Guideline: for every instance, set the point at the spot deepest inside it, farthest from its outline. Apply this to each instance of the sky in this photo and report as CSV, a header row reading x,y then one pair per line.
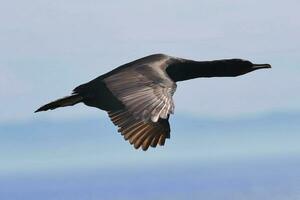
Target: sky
x,y
50,47
232,138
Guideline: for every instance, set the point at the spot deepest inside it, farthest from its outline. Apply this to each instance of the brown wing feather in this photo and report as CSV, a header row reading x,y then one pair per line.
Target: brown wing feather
x,y
138,132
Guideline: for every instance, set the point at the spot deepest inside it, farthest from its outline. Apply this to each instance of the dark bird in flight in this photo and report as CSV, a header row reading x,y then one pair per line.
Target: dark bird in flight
x,y
138,95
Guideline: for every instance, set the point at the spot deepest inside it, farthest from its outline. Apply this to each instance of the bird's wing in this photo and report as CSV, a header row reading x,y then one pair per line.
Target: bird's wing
x,y
146,92
138,132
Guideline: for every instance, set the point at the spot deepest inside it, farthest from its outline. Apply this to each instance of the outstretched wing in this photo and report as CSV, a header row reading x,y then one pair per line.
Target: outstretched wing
x,y
140,133
145,91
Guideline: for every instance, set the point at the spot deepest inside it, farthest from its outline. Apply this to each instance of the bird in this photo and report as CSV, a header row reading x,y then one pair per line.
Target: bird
x,y
138,96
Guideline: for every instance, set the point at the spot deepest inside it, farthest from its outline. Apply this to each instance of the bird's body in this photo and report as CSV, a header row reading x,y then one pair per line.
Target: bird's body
x,y
138,95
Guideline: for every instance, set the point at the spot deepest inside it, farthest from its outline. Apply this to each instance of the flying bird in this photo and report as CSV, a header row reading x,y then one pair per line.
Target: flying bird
x,y
138,96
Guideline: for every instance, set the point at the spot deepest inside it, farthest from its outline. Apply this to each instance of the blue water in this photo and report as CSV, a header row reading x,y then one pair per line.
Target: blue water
x,y
277,179
256,158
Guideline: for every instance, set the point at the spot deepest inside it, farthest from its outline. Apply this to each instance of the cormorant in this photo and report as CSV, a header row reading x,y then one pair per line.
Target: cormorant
x,y
138,95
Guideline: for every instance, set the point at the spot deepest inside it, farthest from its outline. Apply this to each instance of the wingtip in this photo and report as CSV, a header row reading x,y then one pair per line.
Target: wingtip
x,y
141,148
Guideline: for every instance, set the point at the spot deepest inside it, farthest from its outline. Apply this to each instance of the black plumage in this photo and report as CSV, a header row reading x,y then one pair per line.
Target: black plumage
x,y
138,96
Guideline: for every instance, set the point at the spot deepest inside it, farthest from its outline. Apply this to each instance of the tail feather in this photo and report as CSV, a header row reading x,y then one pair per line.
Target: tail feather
x,y
66,101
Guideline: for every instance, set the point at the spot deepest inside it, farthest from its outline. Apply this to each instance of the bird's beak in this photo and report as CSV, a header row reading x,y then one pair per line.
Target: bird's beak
x,y
261,66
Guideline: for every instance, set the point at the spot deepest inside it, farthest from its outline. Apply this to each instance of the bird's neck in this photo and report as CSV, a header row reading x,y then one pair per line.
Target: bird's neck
x,y
188,69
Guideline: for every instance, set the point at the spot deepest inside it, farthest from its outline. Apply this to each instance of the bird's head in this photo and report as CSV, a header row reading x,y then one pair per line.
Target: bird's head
x,y
189,69
238,67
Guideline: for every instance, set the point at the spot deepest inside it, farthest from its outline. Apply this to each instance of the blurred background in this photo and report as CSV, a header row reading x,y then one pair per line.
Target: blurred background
x,y
232,138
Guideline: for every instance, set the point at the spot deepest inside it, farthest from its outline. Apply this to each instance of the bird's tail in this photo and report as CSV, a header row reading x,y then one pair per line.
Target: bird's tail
x,y
66,101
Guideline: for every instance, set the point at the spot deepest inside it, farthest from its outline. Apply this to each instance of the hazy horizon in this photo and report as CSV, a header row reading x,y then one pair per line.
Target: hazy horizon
x,y
252,158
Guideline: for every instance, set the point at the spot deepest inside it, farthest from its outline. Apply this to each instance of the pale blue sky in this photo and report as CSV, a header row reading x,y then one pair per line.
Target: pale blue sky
x,y
49,47
232,138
